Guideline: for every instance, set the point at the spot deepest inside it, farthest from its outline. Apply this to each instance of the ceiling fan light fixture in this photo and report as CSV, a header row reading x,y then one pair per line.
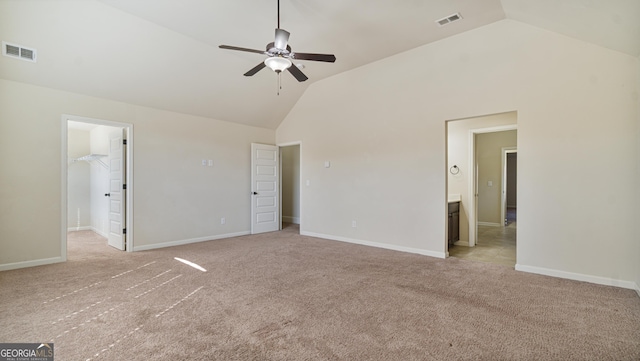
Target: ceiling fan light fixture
x,y
279,55
277,63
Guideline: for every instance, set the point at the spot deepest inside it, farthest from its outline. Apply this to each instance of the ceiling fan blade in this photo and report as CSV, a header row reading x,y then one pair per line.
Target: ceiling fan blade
x,y
255,69
329,58
229,47
282,37
297,73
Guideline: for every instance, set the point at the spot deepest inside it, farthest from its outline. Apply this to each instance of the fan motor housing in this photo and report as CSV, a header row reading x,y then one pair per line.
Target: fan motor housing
x,y
273,51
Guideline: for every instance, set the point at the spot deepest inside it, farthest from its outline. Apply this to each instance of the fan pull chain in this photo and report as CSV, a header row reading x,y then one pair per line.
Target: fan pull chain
x,y
279,83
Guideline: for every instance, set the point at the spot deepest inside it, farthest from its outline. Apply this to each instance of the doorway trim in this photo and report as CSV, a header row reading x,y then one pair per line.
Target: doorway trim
x,y
503,197
128,129
473,171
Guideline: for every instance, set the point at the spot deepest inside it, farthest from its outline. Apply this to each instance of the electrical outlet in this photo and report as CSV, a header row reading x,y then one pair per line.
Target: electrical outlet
x,y
223,220
354,224
210,162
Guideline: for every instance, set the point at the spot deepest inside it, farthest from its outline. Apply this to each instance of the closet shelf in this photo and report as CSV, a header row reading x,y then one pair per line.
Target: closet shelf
x,y
91,158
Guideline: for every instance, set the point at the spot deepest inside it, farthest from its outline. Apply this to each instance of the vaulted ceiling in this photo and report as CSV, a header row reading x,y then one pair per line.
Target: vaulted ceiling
x,y
164,53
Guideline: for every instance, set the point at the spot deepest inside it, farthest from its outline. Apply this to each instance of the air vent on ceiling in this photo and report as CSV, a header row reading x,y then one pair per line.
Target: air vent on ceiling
x,y
449,19
18,52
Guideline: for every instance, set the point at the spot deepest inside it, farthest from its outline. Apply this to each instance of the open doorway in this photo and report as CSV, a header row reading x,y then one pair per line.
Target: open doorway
x,y
290,187
275,187
475,178
509,204
97,186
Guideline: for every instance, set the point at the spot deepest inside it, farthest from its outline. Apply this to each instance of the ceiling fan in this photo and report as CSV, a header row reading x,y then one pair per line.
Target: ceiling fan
x,y
280,56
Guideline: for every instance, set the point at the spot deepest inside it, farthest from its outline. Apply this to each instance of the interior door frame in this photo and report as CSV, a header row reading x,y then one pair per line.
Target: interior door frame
x,y
473,171
128,131
503,201
283,145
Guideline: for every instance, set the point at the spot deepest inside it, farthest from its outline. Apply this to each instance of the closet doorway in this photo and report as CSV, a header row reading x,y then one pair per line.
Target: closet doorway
x,y
97,191
290,187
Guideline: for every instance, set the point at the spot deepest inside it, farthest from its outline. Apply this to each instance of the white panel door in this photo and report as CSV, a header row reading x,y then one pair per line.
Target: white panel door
x,y
116,192
265,193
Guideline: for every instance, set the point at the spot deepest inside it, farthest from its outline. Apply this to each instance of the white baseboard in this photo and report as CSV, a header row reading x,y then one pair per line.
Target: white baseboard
x,y
76,229
103,234
88,228
188,241
288,219
579,277
489,224
33,263
376,244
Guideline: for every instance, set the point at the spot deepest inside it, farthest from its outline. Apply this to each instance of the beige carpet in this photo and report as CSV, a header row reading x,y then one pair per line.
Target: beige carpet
x,y
282,296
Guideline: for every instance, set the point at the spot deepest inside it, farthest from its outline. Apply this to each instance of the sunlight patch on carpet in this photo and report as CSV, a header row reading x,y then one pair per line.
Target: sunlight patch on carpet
x,y
189,263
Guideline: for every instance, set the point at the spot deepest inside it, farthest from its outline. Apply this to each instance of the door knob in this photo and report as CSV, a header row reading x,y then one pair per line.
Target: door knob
x,y
107,194
254,193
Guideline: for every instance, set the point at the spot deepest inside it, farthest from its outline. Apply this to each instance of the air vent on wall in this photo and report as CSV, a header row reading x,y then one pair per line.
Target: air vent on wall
x,y
18,52
449,19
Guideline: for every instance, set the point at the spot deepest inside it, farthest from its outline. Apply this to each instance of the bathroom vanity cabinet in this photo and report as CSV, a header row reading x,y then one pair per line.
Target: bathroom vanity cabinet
x,y
454,222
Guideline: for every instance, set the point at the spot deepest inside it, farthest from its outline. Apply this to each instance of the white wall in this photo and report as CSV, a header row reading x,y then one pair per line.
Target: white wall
x,y
383,128
175,200
78,175
290,183
459,134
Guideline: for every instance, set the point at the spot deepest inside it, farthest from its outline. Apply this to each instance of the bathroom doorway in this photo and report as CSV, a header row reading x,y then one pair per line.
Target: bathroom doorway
x,y
475,149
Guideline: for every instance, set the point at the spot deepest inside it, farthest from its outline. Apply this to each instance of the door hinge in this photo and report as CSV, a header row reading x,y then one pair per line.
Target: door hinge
x,y
124,231
124,186
124,142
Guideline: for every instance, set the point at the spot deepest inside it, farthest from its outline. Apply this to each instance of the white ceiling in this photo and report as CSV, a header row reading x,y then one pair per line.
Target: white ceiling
x,y
164,53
